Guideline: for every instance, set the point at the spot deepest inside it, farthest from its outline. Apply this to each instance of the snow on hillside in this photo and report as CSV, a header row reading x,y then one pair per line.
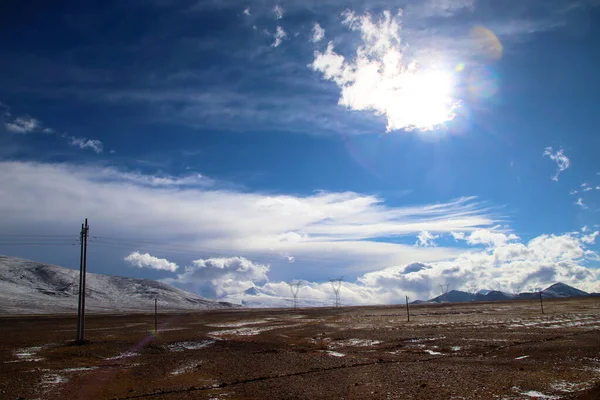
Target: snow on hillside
x,y
33,287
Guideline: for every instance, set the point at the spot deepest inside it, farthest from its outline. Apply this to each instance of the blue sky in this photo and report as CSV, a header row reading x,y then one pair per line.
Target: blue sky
x,y
225,144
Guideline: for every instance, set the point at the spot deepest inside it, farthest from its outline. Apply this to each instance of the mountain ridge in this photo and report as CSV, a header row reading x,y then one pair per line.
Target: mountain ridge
x,y
556,290
31,287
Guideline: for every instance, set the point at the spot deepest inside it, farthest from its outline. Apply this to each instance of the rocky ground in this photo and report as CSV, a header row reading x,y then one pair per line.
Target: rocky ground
x,y
460,351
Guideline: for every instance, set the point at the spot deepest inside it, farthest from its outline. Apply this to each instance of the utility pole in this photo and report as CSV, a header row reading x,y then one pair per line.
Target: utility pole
x,y
82,271
155,316
407,311
541,302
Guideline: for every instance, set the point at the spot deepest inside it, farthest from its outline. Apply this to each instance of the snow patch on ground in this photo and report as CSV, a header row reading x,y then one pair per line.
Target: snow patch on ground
x,y
570,387
238,324
455,348
78,369
335,353
28,354
248,331
356,343
186,368
182,346
127,354
53,379
534,394
521,358
421,340
539,395
433,353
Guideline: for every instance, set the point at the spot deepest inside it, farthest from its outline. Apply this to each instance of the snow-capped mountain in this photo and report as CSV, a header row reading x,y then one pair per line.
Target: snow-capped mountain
x,y
28,287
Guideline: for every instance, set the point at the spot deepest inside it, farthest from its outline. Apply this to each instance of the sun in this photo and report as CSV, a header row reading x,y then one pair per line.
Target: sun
x,y
422,100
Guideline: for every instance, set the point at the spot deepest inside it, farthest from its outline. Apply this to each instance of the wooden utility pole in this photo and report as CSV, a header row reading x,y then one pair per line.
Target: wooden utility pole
x,y
155,316
407,311
541,302
82,271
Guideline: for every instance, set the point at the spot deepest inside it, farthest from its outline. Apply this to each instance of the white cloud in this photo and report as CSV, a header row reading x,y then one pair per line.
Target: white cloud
x,y
218,277
458,235
490,237
541,262
587,189
279,36
139,260
591,238
544,260
573,192
581,204
561,160
343,231
278,11
380,80
23,125
48,130
247,11
426,239
318,33
84,143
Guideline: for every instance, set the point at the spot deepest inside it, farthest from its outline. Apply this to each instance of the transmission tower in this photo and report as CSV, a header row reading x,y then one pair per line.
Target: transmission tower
x,y
295,288
444,289
336,285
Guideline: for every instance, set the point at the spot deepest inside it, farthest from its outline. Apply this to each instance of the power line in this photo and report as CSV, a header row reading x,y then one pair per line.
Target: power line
x,y
203,248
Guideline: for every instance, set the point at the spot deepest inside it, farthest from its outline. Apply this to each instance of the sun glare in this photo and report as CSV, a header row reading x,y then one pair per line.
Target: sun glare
x,y
383,80
421,100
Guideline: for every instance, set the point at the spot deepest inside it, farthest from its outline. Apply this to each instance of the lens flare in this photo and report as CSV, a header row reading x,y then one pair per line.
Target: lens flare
x,y
482,82
486,43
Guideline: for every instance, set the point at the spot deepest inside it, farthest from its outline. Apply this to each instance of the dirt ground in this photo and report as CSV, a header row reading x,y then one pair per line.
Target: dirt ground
x,y
498,350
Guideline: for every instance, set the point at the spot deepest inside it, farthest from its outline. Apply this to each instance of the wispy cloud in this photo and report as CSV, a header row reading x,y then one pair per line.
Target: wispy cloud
x,y
23,124
139,260
561,160
349,227
247,11
278,11
84,143
279,36
581,204
318,33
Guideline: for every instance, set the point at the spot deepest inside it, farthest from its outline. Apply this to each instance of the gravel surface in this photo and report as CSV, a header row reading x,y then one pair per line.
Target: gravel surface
x,y
503,350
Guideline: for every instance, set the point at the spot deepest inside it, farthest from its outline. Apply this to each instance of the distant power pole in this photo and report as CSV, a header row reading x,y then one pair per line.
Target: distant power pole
x,y
82,271
541,302
336,285
407,311
444,289
295,288
156,316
